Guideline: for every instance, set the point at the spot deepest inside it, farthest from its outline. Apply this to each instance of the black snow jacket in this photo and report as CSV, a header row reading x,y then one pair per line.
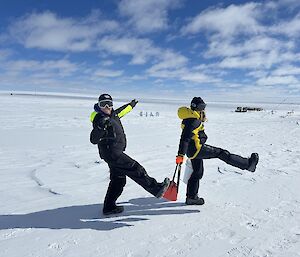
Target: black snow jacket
x,y
193,135
108,131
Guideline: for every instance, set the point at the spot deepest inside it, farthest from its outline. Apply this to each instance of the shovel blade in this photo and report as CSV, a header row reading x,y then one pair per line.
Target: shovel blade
x,y
171,193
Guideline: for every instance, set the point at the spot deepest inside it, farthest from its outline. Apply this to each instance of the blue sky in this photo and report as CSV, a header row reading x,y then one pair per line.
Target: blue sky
x,y
176,48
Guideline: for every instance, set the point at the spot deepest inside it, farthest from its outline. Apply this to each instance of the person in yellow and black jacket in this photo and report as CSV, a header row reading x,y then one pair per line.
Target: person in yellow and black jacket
x,y
193,144
108,134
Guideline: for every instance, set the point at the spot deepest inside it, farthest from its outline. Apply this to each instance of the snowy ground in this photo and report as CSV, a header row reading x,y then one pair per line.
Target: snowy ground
x,y
52,184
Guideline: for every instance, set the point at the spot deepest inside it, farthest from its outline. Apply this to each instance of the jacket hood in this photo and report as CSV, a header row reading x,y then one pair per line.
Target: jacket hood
x,y
97,108
187,113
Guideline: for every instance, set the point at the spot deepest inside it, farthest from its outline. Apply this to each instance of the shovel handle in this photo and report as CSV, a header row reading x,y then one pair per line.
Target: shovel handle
x,y
178,177
173,179
177,168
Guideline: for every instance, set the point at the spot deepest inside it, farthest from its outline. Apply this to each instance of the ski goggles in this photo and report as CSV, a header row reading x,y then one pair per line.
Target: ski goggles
x,y
105,104
198,107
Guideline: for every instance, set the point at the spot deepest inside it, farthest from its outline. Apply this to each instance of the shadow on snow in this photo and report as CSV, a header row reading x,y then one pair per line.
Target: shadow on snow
x,y
90,216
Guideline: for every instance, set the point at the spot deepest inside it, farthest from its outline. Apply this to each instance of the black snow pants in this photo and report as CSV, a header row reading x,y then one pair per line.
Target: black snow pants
x,y
209,152
121,167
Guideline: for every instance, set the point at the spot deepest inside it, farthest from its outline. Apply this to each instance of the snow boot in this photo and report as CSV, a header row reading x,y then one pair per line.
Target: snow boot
x,y
253,160
164,188
194,200
116,210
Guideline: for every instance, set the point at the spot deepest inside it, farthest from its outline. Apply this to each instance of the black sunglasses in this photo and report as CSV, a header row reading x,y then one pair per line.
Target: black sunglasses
x,y
105,103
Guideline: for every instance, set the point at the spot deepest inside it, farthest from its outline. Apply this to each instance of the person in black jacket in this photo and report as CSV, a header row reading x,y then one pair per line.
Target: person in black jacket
x,y
108,134
193,144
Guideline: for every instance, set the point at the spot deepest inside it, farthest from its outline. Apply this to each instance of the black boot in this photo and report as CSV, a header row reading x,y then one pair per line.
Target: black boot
x,y
163,188
115,210
253,160
194,200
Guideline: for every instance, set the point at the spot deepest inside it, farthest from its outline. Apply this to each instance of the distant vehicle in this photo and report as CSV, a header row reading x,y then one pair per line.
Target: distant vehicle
x,y
245,109
241,109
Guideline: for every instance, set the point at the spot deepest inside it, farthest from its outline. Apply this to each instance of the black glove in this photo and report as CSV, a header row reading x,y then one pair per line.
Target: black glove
x,y
104,123
133,103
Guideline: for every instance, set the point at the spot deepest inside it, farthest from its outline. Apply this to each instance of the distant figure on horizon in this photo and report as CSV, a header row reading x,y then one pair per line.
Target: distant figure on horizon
x,y
108,134
193,144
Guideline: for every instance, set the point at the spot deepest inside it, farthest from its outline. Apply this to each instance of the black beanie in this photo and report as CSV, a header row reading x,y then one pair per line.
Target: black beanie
x,y
104,97
197,104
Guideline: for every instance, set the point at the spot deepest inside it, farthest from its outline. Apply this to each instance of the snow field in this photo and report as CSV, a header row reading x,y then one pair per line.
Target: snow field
x,y
53,184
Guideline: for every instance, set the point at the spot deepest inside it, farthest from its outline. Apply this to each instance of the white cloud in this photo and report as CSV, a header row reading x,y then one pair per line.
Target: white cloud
x,y
286,70
198,77
228,21
108,73
143,51
227,48
181,73
259,59
47,75
243,37
138,77
60,68
258,73
254,60
147,15
107,63
48,31
170,60
290,28
140,49
277,80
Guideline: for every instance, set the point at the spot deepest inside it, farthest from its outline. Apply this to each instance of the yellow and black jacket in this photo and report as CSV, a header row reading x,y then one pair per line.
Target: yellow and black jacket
x,y
108,131
193,135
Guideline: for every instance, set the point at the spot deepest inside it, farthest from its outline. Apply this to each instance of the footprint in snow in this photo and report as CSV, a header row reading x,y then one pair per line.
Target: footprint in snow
x,y
240,251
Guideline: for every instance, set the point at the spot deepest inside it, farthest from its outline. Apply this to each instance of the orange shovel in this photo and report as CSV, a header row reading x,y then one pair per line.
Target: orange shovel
x,y
172,191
